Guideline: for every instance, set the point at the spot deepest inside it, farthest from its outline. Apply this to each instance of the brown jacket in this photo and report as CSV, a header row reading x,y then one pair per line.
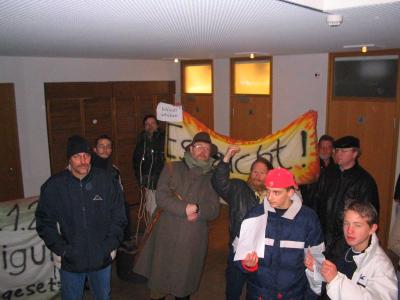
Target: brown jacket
x,y
174,254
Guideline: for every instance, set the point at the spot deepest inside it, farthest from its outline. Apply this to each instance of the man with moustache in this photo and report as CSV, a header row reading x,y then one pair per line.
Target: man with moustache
x,y
80,217
173,256
241,196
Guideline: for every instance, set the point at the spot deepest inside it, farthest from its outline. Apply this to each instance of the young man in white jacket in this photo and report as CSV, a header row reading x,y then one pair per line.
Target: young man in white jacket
x,y
363,271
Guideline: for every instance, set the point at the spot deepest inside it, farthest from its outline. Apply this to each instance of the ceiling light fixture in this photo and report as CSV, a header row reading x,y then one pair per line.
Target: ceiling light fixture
x,y
176,60
361,46
334,20
249,54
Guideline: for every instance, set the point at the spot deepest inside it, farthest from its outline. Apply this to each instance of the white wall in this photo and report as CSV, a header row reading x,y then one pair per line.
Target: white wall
x,y
28,75
299,84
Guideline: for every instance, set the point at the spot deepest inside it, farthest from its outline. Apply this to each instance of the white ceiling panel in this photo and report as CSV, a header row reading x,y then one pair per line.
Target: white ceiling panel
x,y
156,29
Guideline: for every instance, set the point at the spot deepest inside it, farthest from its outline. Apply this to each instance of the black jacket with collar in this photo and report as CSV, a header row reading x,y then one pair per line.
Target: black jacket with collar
x,y
81,220
148,158
237,193
335,189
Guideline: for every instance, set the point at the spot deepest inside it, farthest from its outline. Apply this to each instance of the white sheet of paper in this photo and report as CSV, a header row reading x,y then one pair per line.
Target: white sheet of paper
x,y
252,237
319,258
169,113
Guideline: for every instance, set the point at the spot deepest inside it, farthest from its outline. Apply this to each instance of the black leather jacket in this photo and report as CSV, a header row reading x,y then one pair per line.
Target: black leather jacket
x,y
335,188
237,193
148,158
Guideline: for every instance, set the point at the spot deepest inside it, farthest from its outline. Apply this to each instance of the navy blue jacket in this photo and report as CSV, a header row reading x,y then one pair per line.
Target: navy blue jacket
x,y
90,215
281,273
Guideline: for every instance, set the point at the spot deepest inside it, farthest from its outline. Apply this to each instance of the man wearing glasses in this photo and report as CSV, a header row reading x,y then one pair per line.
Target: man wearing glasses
x,y
173,256
338,186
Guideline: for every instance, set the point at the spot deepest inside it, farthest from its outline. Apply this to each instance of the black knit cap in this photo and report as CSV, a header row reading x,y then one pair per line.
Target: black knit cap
x,y
348,141
77,144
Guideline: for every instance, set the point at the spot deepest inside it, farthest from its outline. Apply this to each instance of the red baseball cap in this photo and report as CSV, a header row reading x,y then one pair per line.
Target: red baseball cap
x,y
280,178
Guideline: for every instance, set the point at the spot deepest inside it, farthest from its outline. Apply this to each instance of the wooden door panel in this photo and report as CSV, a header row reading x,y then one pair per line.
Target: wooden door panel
x,y
97,118
251,117
63,120
200,107
373,123
10,165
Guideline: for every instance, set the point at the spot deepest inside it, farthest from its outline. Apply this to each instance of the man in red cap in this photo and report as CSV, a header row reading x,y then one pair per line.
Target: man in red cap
x,y
276,250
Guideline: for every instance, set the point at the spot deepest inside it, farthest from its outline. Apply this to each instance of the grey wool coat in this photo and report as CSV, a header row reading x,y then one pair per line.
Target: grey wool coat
x,y
173,257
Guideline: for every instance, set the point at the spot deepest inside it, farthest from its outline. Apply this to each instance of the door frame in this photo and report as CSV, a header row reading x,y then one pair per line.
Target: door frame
x,y
385,232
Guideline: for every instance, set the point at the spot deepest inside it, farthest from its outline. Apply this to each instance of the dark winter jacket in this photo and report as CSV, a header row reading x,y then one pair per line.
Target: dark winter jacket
x,y
237,193
106,164
281,272
335,189
90,215
148,158
309,191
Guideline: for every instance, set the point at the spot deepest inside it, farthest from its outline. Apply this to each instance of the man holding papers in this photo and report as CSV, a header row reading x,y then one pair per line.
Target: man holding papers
x,y
274,251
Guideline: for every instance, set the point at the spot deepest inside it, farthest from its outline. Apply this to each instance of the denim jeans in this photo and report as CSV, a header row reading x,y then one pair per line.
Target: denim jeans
x,y
72,284
235,278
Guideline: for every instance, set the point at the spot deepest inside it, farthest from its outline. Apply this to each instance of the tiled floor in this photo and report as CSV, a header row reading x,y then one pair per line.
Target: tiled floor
x,y
213,280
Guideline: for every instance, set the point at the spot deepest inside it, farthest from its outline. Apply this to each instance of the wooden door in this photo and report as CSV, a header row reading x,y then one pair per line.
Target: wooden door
x,y
132,102
197,90
374,122
10,165
200,107
82,108
251,117
251,109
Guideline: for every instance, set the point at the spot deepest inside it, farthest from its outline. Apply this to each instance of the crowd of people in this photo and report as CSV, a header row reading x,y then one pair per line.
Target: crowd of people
x,y
314,241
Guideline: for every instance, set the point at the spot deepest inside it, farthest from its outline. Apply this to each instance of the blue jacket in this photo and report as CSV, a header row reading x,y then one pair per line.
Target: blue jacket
x,y
81,220
281,273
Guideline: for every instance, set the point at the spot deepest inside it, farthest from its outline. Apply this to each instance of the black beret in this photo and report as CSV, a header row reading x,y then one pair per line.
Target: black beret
x,y
347,142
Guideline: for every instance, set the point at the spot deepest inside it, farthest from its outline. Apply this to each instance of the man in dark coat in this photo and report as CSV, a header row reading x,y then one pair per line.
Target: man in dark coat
x,y
174,254
148,159
241,196
348,181
102,158
80,217
326,163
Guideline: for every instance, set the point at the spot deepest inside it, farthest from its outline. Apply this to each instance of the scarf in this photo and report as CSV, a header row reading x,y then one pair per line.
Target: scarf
x,y
204,165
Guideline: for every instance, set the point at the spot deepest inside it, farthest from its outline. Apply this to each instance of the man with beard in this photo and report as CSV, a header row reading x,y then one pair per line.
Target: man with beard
x,y
173,256
80,217
148,159
241,196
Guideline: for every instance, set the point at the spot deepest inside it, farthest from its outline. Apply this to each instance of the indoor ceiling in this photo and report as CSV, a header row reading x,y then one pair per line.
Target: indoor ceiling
x,y
189,29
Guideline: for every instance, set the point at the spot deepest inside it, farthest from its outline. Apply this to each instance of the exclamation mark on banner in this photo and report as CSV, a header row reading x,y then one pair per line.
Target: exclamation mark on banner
x,y
304,144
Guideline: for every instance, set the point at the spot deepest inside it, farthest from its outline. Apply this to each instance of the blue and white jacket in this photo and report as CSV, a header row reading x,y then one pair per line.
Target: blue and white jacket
x,y
281,273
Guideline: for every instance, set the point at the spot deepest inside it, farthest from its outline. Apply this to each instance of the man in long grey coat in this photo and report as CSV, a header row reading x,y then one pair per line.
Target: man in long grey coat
x,y
173,256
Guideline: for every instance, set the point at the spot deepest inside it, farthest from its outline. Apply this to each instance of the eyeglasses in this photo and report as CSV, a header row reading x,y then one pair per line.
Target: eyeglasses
x,y
202,147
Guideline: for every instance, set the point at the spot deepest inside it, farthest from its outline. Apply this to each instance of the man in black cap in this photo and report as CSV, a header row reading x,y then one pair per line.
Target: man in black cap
x,y
348,181
173,256
80,216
